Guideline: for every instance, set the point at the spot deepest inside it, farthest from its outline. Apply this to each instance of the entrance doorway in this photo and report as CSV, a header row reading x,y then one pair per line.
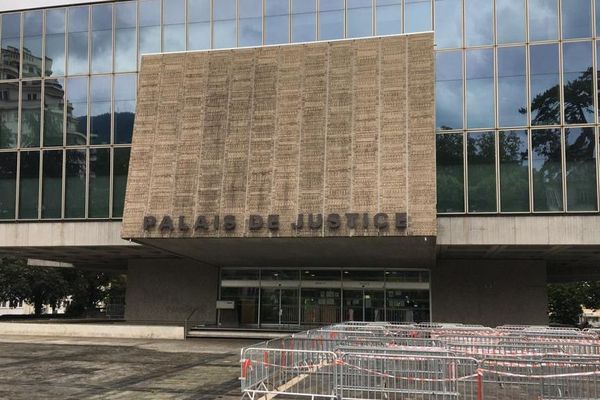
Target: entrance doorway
x,y
279,306
364,305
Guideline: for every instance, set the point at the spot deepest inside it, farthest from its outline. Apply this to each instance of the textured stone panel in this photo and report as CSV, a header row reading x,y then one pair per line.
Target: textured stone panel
x,y
323,128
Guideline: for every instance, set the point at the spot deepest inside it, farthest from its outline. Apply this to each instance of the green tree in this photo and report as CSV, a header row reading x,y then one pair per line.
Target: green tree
x,y
565,301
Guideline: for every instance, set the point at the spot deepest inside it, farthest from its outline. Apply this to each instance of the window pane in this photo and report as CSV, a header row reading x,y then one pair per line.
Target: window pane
x,y
581,169
32,44
120,167
77,110
8,187
125,14
388,17
276,22
55,42
54,102
250,22
479,25
480,88
11,45
450,173
597,18
77,59
9,114
514,171
512,86
578,83
102,38
149,26
543,19
29,184
224,24
448,23
100,109
52,184
417,16
99,188
198,24
174,25
547,170
304,20
449,90
481,171
576,19
124,111
75,184
331,19
510,21
125,50
359,18
31,112
545,93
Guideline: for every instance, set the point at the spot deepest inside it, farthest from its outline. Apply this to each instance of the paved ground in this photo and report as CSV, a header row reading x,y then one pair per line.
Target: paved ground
x,y
60,368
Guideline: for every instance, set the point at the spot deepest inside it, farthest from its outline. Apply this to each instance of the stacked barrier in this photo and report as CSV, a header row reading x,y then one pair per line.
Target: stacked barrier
x,y
359,360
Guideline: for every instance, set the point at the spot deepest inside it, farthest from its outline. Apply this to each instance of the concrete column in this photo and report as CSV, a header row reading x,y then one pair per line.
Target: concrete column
x,y
488,292
170,289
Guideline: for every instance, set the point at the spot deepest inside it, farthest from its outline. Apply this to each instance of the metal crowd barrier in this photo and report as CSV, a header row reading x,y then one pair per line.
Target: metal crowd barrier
x,y
358,360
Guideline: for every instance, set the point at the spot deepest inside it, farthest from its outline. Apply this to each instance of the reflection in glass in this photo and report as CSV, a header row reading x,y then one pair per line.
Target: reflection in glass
x,y
512,86
250,22
480,88
320,275
417,16
481,169
514,171
578,83
99,183
276,21
125,37
304,20
543,19
149,26
32,44
224,26
547,170
198,17
75,184
576,19
449,90
54,103
77,110
388,17
29,184
9,117
102,38
580,157
31,113
120,167
545,89
597,18
52,183
100,109
320,306
448,23
77,58
124,108
510,21
11,45
246,306
479,23
359,18
174,25
55,42
450,173
362,275
331,19
8,185
239,274
407,305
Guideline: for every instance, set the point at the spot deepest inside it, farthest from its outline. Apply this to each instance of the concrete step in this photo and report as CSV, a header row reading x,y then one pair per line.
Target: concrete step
x,y
237,333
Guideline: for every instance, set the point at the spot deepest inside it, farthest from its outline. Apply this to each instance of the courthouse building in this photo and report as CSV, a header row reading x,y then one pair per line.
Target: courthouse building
x,y
266,163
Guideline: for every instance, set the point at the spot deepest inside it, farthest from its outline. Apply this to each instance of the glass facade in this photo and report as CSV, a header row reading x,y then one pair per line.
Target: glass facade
x,y
516,93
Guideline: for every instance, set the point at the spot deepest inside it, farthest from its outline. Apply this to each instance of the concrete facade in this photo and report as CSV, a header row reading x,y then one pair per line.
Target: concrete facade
x,y
171,290
489,292
333,127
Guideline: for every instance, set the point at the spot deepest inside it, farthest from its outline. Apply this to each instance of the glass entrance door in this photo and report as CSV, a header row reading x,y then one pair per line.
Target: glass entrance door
x,y
279,306
364,305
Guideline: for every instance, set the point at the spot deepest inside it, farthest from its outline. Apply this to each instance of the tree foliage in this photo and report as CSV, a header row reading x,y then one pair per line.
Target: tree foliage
x,y
565,301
